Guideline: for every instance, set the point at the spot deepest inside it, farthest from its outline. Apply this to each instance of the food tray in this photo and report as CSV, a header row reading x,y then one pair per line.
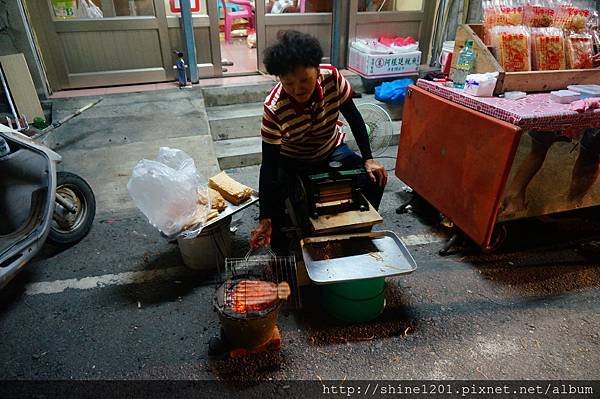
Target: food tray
x,y
333,259
230,210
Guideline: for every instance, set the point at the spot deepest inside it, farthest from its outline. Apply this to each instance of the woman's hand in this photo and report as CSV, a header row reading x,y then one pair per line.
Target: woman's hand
x,y
376,172
596,60
261,235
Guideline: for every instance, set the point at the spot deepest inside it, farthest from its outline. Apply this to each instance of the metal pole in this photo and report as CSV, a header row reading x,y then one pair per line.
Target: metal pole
x,y
39,66
336,27
188,35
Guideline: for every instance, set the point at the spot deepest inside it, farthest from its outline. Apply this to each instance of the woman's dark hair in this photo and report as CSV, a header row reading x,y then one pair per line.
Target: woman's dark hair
x,y
293,49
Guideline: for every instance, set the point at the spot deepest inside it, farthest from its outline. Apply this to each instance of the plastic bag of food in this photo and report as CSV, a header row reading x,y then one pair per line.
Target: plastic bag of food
x,y
509,13
87,9
513,47
579,51
489,20
540,13
548,49
169,191
594,29
574,15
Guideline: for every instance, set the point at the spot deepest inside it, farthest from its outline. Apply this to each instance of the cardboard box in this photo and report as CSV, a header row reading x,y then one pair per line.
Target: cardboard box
x,y
382,65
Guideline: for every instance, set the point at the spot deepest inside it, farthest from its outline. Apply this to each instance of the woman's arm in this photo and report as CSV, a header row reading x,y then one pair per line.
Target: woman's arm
x,y
261,235
374,169
268,178
358,127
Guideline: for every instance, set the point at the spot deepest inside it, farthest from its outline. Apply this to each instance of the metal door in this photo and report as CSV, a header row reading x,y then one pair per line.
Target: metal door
x,y
133,42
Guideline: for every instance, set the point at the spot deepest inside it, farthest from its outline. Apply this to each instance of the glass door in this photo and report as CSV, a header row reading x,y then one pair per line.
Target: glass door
x,y
206,34
376,18
237,24
309,16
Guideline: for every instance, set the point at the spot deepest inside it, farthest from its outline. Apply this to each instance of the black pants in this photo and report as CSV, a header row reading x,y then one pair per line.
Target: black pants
x,y
290,168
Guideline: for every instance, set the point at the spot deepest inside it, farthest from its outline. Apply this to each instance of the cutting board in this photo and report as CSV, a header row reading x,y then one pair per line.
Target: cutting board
x,y
345,221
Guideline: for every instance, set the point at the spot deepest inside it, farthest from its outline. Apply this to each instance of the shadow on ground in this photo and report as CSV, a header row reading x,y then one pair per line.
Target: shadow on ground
x,y
397,319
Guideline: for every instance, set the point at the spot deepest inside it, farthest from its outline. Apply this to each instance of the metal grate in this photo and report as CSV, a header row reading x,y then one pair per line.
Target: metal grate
x,y
267,267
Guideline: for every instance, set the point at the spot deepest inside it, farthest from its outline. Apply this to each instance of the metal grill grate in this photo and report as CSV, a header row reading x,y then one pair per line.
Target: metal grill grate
x,y
267,267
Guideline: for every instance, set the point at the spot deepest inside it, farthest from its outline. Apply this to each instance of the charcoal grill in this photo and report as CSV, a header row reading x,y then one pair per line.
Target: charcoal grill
x,y
246,322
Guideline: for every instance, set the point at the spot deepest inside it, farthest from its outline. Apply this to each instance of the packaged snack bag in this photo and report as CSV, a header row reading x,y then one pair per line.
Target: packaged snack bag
x,y
510,13
594,29
489,20
574,16
513,47
579,50
547,49
539,13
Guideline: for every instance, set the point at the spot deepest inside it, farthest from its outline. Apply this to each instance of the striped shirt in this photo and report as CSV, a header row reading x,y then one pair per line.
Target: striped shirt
x,y
307,131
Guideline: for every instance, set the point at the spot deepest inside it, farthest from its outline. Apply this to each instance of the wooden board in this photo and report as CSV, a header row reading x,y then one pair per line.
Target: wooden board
x,y
345,221
21,86
548,80
485,61
532,81
458,161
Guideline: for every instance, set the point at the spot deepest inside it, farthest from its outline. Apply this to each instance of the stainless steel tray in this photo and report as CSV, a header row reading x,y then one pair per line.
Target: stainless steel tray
x,y
230,210
333,259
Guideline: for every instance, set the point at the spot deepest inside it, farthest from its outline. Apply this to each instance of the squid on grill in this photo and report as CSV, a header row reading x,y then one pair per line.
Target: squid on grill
x,y
248,295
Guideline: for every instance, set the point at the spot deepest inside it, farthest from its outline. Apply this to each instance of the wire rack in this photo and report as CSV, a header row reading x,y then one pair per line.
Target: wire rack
x,y
265,267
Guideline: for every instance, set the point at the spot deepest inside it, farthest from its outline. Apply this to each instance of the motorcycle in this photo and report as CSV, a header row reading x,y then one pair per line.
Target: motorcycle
x,y
37,202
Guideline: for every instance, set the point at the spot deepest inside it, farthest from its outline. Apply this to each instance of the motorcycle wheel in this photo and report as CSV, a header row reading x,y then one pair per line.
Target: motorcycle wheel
x,y
73,227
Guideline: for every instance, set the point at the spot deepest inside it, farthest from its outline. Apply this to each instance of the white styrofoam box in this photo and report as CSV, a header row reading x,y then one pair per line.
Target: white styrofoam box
x,y
382,65
480,88
564,96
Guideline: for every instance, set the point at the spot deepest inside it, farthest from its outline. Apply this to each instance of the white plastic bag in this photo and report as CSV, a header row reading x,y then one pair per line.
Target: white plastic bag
x,y
370,46
409,48
87,9
169,191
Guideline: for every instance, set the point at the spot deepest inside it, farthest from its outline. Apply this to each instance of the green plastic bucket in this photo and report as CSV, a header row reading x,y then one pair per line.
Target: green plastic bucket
x,y
355,301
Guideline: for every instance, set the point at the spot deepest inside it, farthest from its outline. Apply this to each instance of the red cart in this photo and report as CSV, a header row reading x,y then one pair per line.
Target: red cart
x,y
486,161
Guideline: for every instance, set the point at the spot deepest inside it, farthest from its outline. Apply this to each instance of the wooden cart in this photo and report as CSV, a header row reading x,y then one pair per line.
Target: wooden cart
x,y
534,81
464,155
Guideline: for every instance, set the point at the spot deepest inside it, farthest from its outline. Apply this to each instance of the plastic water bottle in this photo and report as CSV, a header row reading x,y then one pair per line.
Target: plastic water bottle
x,y
464,64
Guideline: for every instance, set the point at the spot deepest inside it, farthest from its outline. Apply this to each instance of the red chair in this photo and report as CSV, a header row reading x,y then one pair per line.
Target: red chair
x,y
246,12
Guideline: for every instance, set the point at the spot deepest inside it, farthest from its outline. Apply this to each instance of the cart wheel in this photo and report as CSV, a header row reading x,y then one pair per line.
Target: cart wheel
x,y
68,228
498,238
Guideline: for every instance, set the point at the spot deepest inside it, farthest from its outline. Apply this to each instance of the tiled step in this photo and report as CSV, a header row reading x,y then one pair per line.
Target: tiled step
x,y
246,151
240,94
235,121
243,120
235,153
254,92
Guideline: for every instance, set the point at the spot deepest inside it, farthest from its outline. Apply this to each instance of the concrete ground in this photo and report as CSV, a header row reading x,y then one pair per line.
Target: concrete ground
x,y
104,143
121,304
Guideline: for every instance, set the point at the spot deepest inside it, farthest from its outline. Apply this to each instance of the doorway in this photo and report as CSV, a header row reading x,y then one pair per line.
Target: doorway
x,y
237,36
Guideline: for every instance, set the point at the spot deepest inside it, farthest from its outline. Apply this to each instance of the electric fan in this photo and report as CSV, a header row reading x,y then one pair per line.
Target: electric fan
x,y
379,128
